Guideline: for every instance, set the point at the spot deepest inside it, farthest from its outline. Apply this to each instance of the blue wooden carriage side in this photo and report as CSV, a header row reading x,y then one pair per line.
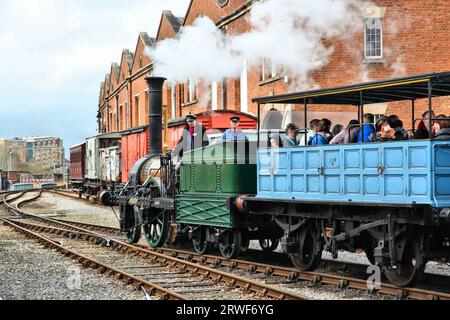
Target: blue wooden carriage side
x,y
401,173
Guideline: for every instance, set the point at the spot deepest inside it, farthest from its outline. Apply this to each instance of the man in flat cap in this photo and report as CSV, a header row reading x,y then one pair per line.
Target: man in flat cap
x,y
234,133
194,137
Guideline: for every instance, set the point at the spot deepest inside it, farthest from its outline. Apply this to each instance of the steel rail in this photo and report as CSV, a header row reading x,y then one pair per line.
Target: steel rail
x,y
291,274
247,285
128,279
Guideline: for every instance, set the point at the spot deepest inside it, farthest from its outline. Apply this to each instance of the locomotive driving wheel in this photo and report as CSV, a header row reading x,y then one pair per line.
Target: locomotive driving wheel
x,y
310,247
156,228
200,241
411,267
133,235
230,243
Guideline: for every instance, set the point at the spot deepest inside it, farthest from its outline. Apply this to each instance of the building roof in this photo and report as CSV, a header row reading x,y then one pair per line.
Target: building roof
x,y
175,22
148,42
129,56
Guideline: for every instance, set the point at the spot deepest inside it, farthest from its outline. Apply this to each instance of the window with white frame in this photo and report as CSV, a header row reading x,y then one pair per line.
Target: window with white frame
x,y
373,38
193,89
269,70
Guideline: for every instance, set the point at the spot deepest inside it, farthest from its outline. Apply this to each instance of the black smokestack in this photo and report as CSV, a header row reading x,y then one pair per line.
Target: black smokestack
x,y
155,86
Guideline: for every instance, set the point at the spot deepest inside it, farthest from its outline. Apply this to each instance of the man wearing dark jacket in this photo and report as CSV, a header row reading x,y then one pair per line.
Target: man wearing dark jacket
x,y
194,137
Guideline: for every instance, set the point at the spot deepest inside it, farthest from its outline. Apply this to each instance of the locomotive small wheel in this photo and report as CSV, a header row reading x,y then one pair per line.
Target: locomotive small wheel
x,y
200,242
269,245
133,235
230,243
157,231
412,265
310,249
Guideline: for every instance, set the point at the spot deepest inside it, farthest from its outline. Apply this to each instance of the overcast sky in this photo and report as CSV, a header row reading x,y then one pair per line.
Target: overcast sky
x,y
54,54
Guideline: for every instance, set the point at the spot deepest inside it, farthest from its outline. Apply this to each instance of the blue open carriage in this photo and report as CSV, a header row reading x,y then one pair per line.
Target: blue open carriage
x,y
391,199
397,173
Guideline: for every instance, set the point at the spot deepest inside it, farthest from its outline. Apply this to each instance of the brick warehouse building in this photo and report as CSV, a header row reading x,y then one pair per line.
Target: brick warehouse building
x,y
407,38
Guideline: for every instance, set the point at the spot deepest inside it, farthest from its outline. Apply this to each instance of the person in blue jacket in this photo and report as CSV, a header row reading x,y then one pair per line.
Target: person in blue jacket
x,y
321,137
368,128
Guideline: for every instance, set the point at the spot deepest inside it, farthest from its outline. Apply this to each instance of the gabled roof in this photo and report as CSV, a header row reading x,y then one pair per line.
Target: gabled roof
x,y
149,42
174,22
102,93
128,55
114,74
126,63
107,84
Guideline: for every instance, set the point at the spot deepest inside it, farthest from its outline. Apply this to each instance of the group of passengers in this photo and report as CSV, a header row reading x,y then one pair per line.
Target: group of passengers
x,y
387,128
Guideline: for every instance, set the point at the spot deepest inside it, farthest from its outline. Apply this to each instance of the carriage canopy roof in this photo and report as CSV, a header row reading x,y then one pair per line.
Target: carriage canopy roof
x,y
410,88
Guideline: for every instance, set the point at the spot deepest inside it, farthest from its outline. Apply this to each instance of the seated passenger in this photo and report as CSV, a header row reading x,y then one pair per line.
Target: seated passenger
x,y
443,132
385,130
336,130
368,129
275,141
321,137
437,123
355,128
344,136
423,131
311,133
291,136
326,128
400,132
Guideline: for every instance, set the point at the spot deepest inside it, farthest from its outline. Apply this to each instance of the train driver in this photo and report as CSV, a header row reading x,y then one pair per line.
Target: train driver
x,y
194,137
234,133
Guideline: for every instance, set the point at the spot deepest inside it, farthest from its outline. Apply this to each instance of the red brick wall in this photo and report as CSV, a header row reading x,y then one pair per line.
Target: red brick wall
x,y
417,31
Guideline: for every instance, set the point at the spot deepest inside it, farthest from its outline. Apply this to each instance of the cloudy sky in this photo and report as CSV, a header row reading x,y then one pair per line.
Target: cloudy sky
x,y
54,54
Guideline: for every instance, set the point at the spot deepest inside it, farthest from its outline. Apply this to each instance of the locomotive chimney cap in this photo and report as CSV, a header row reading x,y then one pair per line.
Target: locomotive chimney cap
x,y
155,79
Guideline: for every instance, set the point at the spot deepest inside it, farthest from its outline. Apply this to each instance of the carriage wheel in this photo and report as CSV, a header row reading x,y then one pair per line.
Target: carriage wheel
x,y
200,241
230,243
411,267
310,247
157,230
133,235
269,245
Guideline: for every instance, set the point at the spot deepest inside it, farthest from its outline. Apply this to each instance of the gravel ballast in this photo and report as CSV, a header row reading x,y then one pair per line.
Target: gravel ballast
x,y
29,272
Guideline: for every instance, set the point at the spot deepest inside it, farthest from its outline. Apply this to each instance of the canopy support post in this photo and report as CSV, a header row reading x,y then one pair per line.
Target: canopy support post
x,y
430,109
413,118
361,114
306,122
259,124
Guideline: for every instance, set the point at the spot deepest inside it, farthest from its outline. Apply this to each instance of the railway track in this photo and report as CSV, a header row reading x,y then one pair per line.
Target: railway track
x,y
287,275
168,277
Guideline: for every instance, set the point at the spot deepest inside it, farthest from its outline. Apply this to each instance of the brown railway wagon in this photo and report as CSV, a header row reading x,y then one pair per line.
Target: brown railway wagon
x,y
134,147
78,162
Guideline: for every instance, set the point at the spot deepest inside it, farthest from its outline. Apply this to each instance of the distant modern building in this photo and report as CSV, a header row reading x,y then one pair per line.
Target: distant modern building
x,y
45,153
12,151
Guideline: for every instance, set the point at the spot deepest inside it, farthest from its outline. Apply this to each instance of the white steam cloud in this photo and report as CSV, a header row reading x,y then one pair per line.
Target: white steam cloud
x,y
290,33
